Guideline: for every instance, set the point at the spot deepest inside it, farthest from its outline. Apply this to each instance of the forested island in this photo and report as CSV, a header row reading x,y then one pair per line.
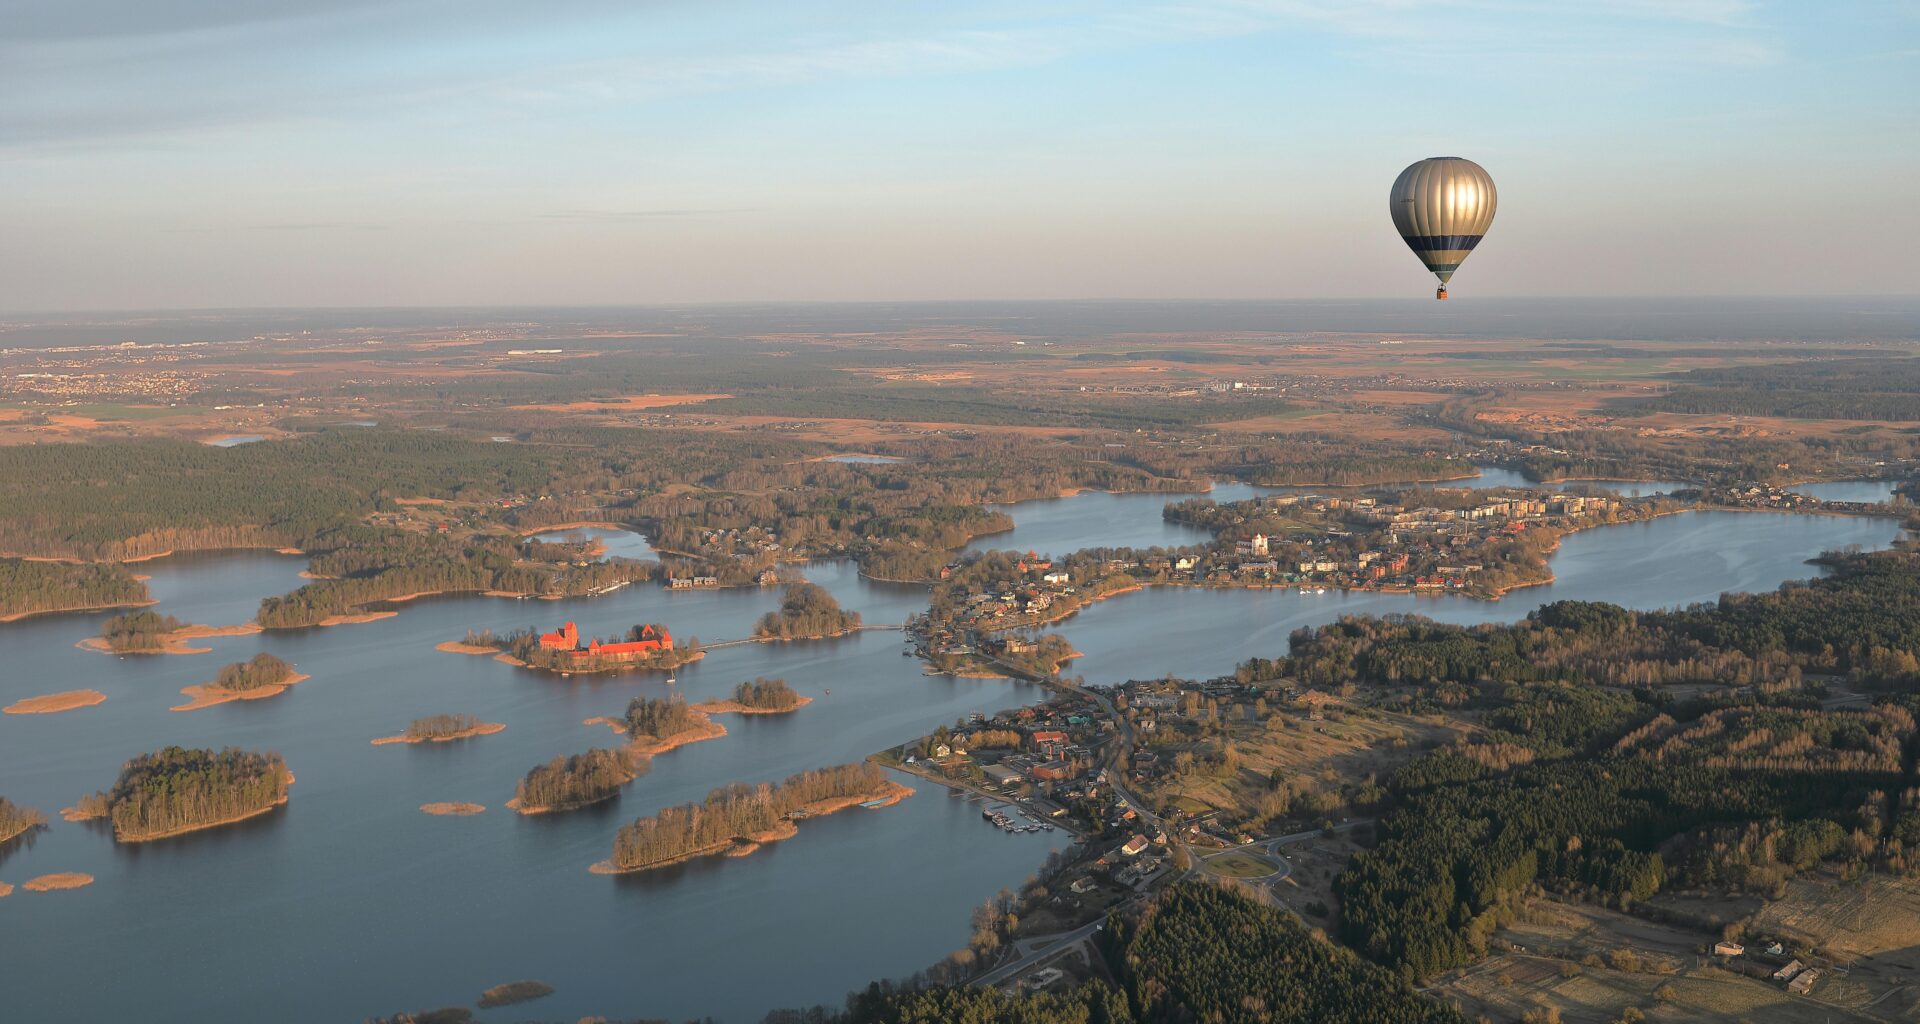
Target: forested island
x,y
262,670
739,818
176,790
263,675
32,587
571,782
141,632
442,729
758,696
807,612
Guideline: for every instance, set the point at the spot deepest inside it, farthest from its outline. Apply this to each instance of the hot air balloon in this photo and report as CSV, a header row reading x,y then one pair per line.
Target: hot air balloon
x,y
1442,206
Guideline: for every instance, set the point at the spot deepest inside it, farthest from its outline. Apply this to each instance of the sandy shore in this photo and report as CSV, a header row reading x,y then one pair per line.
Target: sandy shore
x,y
889,794
62,880
734,707
355,617
461,647
453,809
175,641
16,616
704,729
582,524
206,695
53,703
483,729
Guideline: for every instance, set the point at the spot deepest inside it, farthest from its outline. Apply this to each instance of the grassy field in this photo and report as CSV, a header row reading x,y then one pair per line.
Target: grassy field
x,y
1241,865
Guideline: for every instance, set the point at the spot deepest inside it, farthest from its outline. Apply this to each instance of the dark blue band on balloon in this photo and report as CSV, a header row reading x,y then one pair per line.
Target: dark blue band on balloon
x,y
1441,243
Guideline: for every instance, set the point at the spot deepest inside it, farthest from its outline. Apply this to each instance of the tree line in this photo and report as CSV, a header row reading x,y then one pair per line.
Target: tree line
x,y
766,694
177,789
806,611
736,813
262,669
138,632
576,780
29,587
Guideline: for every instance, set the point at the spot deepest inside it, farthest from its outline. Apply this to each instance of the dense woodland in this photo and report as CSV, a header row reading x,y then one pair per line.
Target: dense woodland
x,y
1843,389
736,813
658,718
1197,952
766,694
138,632
137,498
262,669
177,790
806,611
575,781
29,587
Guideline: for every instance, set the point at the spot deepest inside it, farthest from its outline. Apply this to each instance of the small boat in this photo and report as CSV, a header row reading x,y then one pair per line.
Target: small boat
x,y
671,680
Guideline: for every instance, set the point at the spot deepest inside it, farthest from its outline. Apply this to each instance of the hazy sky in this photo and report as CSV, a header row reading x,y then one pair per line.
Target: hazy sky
x,y
174,153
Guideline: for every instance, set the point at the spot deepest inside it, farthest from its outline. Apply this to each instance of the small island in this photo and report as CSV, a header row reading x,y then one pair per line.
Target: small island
x,y
149,632
442,729
451,808
16,821
759,696
177,790
738,819
655,726
259,677
570,783
141,632
807,612
54,703
647,646
58,881
513,992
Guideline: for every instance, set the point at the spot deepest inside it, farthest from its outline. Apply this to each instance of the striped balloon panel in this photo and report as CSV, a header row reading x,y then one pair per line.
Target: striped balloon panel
x,y
1442,207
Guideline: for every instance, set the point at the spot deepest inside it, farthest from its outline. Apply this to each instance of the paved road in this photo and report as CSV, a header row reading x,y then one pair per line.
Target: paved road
x,y
1030,952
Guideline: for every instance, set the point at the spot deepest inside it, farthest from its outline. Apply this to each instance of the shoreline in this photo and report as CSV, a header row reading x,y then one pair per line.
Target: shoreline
x,y
54,703
740,846
17,616
483,729
206,695
579,524
175,641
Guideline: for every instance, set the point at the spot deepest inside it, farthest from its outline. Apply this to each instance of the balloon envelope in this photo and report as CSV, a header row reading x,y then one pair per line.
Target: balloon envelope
x,y
1442,206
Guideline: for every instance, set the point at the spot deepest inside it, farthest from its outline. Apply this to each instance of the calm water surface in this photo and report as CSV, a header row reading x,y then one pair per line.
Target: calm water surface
x,y
350,902
1850,490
